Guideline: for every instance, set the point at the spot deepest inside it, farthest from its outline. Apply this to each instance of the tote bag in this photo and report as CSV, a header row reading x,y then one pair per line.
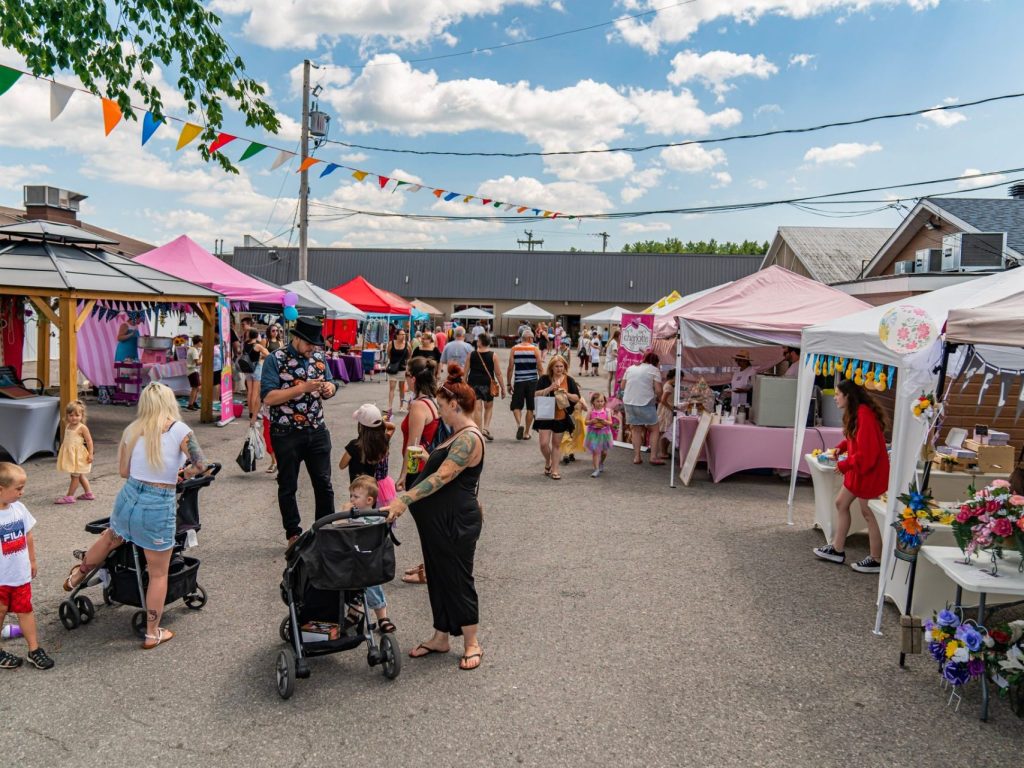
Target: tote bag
x,y
544,408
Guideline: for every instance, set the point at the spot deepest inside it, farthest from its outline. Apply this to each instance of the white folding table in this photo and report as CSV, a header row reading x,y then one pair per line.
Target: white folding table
x,y
29,426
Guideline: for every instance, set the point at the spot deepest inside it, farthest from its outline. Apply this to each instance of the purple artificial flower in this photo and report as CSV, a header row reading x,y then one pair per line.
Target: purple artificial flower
x,y
975,668
938,651
955,673
948,619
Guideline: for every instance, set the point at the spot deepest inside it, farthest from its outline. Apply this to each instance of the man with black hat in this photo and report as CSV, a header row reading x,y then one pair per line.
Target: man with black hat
x,y
295,381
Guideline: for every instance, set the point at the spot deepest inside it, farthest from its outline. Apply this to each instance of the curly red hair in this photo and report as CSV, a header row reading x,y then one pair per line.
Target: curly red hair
x,y
455,388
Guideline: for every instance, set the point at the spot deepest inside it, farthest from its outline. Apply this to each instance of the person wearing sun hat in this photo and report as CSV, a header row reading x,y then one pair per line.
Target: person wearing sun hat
x,y
294,384
743,380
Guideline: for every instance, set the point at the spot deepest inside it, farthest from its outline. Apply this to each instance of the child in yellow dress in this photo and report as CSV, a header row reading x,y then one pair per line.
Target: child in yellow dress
x,y
572,442
76,452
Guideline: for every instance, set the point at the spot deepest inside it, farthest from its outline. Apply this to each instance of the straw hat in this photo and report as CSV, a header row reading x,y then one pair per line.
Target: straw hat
x,y
742,354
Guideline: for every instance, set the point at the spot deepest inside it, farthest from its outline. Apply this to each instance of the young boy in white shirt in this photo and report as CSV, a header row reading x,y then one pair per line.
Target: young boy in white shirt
x,y
18,565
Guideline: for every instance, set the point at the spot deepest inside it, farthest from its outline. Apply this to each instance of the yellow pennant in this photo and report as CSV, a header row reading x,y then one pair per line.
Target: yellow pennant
x,y
189,131
359,175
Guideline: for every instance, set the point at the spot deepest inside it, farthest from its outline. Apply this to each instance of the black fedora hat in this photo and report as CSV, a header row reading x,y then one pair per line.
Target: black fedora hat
x,y
310,330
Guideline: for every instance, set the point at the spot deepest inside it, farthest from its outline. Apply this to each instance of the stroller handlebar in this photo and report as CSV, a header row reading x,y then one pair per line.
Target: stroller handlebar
x,y
347,516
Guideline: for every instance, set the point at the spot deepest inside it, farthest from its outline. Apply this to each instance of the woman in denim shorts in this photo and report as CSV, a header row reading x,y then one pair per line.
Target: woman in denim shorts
x,y
153,449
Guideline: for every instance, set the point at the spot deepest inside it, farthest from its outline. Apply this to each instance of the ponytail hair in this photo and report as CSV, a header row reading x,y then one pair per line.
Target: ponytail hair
x,y
423,371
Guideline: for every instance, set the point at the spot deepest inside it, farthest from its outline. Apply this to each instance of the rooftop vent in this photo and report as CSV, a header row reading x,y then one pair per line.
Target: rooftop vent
x,y
52,204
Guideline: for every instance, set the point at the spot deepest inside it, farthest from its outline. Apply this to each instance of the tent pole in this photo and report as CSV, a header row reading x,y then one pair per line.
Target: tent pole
x,y
675,412
947,349
43,350
209,313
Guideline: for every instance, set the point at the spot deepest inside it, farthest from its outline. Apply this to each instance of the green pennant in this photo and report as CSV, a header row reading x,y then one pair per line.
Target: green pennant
x,y
400,183
252,149
8,77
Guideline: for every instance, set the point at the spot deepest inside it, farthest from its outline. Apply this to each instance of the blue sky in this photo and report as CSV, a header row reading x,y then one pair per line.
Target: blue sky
x,y
700,70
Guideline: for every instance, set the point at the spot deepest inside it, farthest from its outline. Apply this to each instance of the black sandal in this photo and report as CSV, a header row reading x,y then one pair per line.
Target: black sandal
x,y
386,626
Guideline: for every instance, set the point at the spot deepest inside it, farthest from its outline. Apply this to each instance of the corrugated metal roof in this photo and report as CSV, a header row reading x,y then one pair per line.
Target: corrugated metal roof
x,y
125,245
833,254
988,215
613,278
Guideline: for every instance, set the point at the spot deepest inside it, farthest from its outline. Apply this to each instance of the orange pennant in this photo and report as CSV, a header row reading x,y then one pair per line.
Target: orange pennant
x,y
438,193
189,131
111,115
308,163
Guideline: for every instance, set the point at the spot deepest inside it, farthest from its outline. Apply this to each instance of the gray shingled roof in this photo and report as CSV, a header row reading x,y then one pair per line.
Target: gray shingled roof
x,y
612,278
988,215
834,254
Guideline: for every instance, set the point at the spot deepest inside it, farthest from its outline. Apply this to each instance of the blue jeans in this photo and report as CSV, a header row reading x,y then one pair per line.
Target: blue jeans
x,y
375,598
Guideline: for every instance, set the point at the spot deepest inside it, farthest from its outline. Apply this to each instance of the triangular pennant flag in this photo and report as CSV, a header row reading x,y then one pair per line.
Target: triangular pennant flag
x,y
508,206
359,175
331,167
414,188
1005,380
521,209
398,184
485,201
254,148
383,181
220,141
189,131
1020,403
438,193
150,123
59,95
556,216
282,157
8,77
536,211
308,163
450,196
547,214
111,115
467,198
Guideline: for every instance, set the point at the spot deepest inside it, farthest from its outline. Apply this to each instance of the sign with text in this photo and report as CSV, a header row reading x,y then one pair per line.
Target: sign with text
x,y
636,338
227,378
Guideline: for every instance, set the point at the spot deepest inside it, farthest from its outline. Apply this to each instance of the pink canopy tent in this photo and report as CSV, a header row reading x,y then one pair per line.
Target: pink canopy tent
x,y
188,260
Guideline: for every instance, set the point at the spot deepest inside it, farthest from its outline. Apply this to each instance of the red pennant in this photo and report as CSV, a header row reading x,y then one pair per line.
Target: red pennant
x,y
485,201
220,141
383,181
438,193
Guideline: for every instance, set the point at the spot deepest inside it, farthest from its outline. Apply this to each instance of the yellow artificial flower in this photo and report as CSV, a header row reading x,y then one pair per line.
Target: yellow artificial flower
x,y
952,648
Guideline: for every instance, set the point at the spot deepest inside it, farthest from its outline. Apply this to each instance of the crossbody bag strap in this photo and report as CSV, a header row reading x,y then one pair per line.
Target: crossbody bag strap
x,y
486,369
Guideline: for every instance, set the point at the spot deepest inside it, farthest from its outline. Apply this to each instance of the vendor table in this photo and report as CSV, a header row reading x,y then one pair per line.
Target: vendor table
x,y
29,426
952,486
337,369
827,482
353,366
732,448
975,581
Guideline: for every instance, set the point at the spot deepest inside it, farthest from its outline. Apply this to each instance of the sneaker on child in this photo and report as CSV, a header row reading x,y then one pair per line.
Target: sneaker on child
x,y
867,565
830,553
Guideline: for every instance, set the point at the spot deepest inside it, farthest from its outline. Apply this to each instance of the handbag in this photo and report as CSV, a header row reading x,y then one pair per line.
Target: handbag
x,y
495,389
561,400
543,407
253,449
245,365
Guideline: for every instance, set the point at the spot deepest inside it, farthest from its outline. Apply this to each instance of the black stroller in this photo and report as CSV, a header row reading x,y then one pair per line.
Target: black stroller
x,y
327,569
125,567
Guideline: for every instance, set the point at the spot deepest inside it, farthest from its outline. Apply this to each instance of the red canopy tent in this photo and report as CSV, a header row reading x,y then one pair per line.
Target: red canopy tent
x,y
363,294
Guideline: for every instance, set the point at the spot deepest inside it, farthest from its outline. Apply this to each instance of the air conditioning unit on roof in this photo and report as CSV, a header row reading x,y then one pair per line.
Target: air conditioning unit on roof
x,y
928,260
974,252
905,267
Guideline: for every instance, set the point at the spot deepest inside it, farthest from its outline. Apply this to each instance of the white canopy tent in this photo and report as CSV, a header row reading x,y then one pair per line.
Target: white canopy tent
x,y
335,307
610,316
856,337
473,313
528,311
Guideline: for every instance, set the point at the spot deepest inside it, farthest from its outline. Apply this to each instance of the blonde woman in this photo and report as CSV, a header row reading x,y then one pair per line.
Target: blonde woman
x,y
153,449
556,380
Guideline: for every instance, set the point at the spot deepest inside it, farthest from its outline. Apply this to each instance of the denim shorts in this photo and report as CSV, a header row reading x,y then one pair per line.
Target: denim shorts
x,y
145,515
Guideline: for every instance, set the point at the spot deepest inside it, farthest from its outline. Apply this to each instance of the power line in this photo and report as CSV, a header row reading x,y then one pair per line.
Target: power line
x,y
667,145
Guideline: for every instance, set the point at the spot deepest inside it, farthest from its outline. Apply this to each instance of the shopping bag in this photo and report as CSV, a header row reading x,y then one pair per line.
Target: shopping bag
x,y
255,439
246,458
543,408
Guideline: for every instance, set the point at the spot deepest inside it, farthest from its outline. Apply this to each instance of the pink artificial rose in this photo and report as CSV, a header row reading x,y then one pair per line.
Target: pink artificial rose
x,y
1002,527
964,515
1020,523
1000,484
1017,500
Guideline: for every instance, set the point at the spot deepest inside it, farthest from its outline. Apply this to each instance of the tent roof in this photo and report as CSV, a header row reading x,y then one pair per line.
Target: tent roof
x,y
857,335
336,308
361,293
529,311
999,322
186,258
473,313
427,309
768,307
610,315
49,230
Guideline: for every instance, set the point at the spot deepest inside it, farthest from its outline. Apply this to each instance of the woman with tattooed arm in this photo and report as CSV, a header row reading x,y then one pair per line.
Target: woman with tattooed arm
x,y
444,505
153,449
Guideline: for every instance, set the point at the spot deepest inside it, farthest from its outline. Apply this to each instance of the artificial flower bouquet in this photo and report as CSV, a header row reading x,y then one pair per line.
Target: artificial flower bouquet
x,y
959,647
992,519
924,406
1006,662
912,528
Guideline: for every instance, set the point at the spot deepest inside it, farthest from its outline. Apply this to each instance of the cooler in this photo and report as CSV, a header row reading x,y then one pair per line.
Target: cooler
x,y
773,401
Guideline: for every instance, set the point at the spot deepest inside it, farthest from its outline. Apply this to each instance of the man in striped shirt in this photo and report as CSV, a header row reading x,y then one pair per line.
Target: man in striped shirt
x,y
524,368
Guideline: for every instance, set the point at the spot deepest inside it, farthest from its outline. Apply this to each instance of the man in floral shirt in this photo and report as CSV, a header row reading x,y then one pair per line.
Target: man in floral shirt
x,y
295,382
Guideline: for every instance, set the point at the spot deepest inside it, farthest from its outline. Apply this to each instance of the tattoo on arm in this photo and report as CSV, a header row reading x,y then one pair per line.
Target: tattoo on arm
x,y
195,453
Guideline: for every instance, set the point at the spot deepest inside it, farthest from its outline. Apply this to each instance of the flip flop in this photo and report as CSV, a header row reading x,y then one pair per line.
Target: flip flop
x,y
414,569
162,636
420,577
469,656
519,433
427,651
555,476
656,463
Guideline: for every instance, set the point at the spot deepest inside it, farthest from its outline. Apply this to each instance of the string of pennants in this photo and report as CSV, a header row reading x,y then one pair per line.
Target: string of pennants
x,y
61,94
973,364
872,376
111,310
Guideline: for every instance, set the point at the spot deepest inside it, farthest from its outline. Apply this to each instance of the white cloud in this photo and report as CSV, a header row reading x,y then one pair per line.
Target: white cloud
x,y
275,24
765,109
972,178
515,30
945,118
675,24
636,227
640,183
671,113
355,157
15,176
692,158
569,197
844,153
722,179
801,59
758,183
716,68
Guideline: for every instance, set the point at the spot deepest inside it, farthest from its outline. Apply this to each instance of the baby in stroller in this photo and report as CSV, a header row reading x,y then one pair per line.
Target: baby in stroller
x,y
362,496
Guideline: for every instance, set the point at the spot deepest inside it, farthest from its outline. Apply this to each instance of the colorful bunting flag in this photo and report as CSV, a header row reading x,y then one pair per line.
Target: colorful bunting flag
x,y
467,198
359,175
450,196
308,163
331,167
438,193
521,209
189,131
383,181
220,141
414,188
485,201
254,148
111,115
59,96
282,157
8,77
150,123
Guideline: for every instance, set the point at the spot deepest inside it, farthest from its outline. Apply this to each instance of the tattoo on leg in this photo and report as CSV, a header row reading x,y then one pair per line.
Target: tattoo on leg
x,y
152,615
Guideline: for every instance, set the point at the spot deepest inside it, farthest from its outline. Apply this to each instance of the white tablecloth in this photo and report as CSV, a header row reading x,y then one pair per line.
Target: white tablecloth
x,y
827,483
29,426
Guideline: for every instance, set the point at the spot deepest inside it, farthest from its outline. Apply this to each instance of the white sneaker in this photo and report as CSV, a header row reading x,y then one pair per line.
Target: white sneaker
x,y
596,473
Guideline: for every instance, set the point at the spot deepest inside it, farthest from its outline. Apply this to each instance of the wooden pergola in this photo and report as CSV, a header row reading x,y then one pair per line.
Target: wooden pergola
x,y
63,271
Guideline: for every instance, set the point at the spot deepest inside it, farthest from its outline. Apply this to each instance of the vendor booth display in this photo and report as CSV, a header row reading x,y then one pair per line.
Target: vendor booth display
x,y
528,311
473,313
361,293
335,307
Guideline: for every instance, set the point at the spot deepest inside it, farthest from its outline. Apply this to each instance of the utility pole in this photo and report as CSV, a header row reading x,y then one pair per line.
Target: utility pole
x,y
304,178
604,241
529,242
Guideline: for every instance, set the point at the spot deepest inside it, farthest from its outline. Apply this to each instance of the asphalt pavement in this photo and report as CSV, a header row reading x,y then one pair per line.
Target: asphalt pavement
x,y
624,623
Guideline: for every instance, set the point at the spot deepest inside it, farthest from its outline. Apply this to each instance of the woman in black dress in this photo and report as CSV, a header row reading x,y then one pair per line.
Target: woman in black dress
x,y
398,356
482,375
559,384
444,505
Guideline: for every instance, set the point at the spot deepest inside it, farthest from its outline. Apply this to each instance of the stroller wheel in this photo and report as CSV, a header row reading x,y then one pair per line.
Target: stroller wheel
x,y
197,599
286,673
139,624
68,613
86,610
390,656
107,599
285,630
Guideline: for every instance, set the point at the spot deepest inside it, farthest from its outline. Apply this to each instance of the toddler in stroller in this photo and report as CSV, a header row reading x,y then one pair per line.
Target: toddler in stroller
x,y
341,561
123,571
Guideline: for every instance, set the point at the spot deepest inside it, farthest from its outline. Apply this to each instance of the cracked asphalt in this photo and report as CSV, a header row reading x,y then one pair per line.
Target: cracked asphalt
x,y
624,623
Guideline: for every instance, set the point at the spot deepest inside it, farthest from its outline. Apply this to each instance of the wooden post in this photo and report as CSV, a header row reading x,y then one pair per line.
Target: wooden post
x,y
68,352
43,350
206,391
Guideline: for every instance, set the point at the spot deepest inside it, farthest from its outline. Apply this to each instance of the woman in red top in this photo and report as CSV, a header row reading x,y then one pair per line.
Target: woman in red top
x,y
865,473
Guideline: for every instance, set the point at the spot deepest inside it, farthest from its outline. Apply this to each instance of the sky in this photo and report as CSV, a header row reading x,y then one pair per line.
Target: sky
x,y
694,70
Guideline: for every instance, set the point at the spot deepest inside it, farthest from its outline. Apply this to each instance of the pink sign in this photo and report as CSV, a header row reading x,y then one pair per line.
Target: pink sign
x,y
636,338
227,378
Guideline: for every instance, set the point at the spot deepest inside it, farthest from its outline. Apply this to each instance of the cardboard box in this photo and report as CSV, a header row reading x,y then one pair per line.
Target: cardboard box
x,y
953,464
996,459
320,631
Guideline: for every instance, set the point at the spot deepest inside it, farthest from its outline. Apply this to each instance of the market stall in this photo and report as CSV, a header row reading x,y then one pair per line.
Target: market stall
x,y
473,313
610,316
334,307
528,311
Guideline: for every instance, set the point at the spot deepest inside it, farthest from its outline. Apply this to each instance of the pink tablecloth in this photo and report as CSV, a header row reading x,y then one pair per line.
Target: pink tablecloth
x,y
732,448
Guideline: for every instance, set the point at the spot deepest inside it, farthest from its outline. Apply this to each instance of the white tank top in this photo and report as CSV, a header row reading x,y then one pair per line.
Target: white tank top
x,y
170,447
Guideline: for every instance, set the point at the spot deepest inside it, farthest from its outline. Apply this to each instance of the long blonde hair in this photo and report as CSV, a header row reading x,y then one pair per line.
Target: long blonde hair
x,y
157,404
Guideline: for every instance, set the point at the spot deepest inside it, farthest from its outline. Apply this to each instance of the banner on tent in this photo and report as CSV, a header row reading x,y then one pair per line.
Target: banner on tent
x,y
992,371
636,338
867,374
227,379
